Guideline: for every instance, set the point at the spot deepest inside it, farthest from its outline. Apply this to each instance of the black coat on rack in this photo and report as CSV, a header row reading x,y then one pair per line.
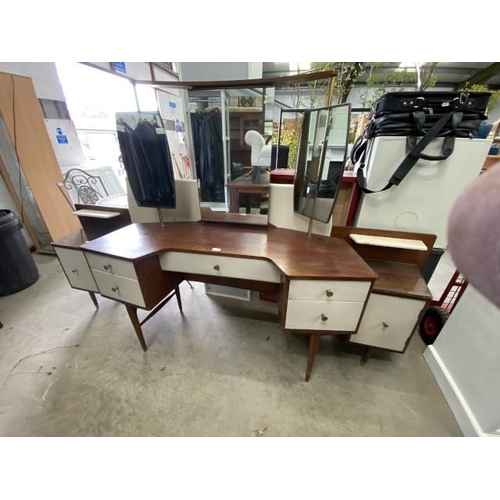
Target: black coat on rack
x,y
147,161
211,165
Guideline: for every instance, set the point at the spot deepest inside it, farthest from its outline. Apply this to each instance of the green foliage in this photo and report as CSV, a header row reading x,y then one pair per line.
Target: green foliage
x,y
348,73
396,80
290,136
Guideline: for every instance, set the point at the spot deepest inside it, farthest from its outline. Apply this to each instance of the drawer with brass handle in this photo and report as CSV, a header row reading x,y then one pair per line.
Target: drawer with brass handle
x,y
219,265
320,315
328,290
119,288
116,267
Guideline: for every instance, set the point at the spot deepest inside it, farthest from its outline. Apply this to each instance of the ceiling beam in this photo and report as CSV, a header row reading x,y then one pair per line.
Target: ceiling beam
x,y
235,84
482,76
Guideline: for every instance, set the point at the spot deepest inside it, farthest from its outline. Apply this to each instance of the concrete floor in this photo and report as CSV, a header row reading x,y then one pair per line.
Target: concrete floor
x,y
219,370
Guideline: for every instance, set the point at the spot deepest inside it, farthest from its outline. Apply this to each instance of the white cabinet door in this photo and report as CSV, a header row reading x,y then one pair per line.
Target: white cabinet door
x,y
388,322
76,268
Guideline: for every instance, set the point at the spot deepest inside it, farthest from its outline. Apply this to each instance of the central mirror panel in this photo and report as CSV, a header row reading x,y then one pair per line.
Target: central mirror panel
x,y
321,159
232,141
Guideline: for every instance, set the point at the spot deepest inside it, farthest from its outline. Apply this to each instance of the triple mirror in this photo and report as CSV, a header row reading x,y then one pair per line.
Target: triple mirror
x,y
224,158
321,157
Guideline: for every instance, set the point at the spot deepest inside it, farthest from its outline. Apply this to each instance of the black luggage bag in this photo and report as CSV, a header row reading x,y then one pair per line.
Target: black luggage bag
x,y
425,114
414,113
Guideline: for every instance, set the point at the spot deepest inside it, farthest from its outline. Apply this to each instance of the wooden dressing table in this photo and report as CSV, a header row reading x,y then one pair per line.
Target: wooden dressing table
x,y
322,283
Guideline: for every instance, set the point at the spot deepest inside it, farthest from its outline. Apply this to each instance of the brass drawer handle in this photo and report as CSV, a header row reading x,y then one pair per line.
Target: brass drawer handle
x,y
107,267
324,317
115,289
329,293
217,267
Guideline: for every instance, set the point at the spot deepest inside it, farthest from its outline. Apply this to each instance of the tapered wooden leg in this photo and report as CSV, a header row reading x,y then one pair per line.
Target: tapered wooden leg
x,y
178,297
366,355
94,299
132,314
313,349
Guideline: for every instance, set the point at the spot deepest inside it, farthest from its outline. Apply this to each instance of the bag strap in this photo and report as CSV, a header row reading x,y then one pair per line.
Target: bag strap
x,y
411,158
447,148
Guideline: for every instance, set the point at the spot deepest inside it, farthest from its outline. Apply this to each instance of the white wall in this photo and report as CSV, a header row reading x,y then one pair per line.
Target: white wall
x,y
465,360
44,76
207,71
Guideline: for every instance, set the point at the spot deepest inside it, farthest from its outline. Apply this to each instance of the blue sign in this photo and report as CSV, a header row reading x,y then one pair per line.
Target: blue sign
x,y
120,66
61,138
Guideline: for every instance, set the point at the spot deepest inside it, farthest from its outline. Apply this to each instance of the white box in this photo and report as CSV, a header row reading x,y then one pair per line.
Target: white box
x,y
423,200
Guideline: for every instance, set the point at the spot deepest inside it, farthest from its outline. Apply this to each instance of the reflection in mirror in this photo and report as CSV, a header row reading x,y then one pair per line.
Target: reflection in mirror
x,y
321,160
146,158
231,132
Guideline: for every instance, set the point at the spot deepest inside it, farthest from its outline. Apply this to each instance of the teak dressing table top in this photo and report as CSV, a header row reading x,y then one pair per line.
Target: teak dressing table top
x,y
402,280
296,255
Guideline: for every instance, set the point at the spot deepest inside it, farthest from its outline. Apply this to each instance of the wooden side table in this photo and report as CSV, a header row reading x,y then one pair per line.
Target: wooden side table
x,y
244,185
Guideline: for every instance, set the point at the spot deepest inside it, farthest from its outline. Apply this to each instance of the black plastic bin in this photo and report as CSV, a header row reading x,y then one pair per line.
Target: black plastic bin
x,y
17,267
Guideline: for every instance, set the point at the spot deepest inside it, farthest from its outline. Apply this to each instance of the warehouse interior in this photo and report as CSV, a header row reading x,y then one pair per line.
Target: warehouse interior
x,y
239,306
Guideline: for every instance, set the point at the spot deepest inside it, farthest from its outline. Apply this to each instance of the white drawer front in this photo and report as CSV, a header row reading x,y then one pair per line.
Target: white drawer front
x,y
350,291
117,267
76,268
119,288
388,321
213,265
314,315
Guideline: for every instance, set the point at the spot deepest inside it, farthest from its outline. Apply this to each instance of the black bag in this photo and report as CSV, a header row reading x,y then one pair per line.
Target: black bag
x,y
427,114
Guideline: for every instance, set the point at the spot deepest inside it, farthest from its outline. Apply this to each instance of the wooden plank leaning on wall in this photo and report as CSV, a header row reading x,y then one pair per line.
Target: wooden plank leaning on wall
x,y
35,151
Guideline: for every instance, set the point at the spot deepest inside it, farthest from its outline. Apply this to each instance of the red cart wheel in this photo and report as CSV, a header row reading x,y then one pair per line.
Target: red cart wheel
x,y
432,323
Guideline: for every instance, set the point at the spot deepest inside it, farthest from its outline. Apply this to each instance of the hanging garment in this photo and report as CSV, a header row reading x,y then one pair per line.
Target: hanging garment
x,y
196,121
212,157
147,161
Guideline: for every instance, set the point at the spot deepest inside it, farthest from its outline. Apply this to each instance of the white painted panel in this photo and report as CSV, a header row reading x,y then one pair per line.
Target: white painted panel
x,y
217,265
423,200
76,268
352,291
281,213
187,205
388,321
323,315
384,241
468,348
68,154
118,288
138,70
116,267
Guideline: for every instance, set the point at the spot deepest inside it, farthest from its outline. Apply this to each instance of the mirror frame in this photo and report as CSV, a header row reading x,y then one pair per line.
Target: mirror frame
x,y
300,168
